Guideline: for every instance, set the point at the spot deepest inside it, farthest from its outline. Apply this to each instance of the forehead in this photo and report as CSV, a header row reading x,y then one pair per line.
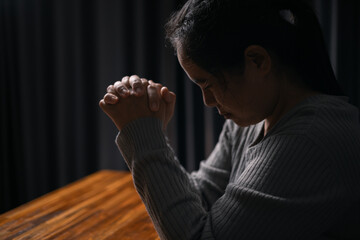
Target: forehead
x,y
194,72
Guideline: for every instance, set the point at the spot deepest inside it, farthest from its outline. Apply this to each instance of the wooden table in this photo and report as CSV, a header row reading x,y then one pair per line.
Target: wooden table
x,y
103,205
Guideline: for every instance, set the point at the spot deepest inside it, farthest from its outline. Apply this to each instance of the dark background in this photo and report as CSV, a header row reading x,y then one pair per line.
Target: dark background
x,y
58,56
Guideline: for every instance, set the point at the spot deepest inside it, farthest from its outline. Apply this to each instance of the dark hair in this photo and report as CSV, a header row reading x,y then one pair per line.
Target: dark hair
x,y
215,33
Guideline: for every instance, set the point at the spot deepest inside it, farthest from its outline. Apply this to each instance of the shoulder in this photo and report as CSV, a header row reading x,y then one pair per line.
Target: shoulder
x,y
320,116
323,130
288,161
334,125
329,122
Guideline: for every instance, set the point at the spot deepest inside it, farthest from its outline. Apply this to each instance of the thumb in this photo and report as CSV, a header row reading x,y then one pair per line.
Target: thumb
x,y
170,99
167,95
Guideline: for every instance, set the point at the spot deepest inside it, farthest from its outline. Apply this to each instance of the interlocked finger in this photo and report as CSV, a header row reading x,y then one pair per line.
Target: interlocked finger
x,y
157,85
125,81
154,95
110,98
110,89
144,82
136,85
154,98
170,99
121,89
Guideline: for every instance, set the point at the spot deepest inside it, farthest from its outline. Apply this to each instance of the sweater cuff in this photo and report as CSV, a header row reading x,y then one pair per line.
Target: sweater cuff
x,y
139,137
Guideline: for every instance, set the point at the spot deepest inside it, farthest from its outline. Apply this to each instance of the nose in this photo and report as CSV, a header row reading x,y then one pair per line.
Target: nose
x,y
208,98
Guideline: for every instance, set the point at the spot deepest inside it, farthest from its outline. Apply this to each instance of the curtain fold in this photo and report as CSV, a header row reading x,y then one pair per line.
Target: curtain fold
x,y
58,57
340,21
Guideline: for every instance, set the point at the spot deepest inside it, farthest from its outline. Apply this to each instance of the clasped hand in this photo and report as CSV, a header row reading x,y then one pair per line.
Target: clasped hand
x,y
134,97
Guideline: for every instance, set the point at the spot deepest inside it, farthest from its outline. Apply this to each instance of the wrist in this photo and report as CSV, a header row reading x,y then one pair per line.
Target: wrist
x,y
140,136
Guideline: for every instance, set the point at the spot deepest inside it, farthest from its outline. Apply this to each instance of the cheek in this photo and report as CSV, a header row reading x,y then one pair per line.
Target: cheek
x,y
220,92
219,96
248,97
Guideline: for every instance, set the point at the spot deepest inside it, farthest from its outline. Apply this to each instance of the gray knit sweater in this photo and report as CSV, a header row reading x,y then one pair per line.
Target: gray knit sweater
x,y
300,181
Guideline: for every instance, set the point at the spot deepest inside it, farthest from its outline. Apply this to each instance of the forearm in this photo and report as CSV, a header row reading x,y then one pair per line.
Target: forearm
x,y
172,201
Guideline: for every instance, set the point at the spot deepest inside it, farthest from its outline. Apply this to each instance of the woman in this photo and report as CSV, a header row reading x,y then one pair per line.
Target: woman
x,y
287,164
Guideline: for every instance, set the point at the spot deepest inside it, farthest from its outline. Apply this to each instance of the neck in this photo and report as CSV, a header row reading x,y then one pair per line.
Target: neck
x,y
288,98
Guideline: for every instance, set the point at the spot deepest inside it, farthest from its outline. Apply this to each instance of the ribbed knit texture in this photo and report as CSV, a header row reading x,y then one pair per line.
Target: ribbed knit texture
x,y
301,181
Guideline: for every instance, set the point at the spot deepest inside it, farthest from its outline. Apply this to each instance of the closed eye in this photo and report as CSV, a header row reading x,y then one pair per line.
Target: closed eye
x,y
207,85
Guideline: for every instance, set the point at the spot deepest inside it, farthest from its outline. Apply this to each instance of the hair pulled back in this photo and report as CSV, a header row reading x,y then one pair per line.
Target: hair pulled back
x,y
215,33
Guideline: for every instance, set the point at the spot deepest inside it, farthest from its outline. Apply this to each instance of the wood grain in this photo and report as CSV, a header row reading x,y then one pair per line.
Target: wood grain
x,y
104,205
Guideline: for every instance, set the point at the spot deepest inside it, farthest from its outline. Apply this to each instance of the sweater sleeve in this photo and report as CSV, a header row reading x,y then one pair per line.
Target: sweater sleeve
x,y
285,193
163,185
213,175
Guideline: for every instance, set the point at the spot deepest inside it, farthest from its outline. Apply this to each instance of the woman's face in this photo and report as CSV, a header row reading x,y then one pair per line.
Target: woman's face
x,y
246,97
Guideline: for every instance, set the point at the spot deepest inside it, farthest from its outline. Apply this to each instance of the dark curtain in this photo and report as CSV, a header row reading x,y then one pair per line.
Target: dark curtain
x,y
340,20
58,56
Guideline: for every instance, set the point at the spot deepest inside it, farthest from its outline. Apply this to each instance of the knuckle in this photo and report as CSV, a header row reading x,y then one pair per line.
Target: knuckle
x,y
145,84
125,80
105,98
137,81
109,88
158,85
137,84
144,81
134,77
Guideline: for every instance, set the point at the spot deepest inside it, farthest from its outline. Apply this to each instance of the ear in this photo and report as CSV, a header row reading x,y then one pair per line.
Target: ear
x,y
259,58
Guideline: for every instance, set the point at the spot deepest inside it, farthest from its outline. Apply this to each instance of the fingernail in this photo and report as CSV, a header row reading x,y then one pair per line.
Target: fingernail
x,y
122,91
